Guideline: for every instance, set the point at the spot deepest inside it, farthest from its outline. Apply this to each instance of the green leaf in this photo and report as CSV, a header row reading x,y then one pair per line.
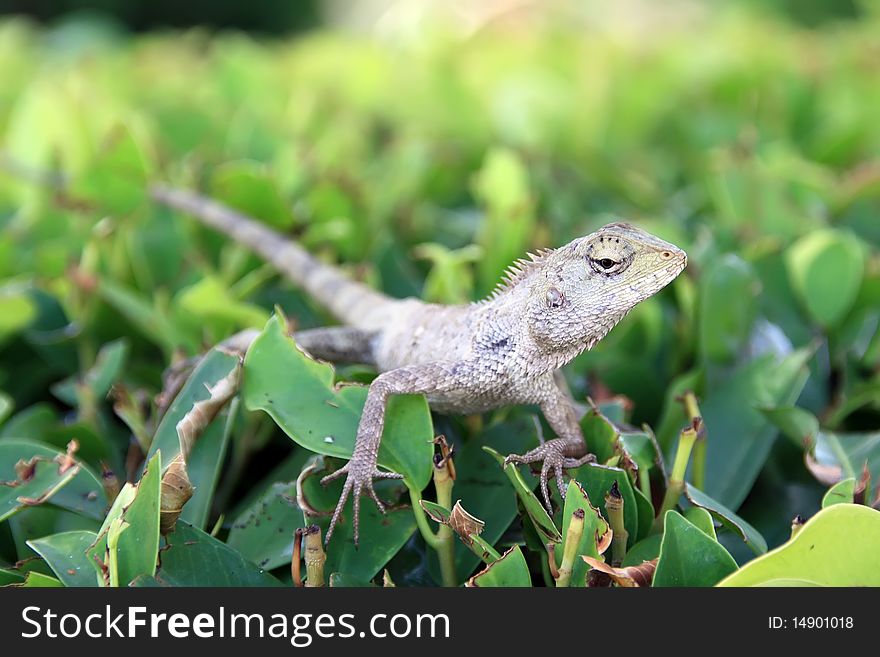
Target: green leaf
x,y
727,518
381,536
66,555
193,558
727,307
840,493
17,311
826,269
34,420
117,178
600,434
510,570
6,406
798,425
209,300
502,187
205,460
248,187
35,580
76,489
100,377
323,417
594,528
263,533
702,519
137,507
839,546
533,506
645,550
597,481
739,435
154,323
688,556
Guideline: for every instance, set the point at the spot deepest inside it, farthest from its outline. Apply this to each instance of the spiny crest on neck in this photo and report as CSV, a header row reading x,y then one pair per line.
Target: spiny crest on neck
x,y
518,271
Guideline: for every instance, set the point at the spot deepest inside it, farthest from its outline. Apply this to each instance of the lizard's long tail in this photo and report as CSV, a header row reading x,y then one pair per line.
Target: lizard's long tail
x,y
349,301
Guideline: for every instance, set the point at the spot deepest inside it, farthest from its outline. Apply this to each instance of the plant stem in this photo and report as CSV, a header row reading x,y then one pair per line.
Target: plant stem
x,y
313,553
692,409
675,487
569,553
421,518
614,507
443,482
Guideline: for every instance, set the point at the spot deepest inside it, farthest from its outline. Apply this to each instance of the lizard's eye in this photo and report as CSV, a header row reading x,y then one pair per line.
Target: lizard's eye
x,y
605,265
554,298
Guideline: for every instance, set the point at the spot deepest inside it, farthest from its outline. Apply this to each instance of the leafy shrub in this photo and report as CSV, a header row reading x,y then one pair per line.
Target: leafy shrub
x,y
425,167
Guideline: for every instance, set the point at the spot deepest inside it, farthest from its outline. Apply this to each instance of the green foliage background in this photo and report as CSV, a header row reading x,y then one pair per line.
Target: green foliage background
x,y
425,161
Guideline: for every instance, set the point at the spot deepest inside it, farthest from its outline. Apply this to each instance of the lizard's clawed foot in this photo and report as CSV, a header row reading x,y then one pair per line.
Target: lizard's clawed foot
x,y
554,461
359,480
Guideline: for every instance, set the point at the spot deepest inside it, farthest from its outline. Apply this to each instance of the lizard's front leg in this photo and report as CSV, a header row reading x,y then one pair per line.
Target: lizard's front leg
x,y
569,450
362,469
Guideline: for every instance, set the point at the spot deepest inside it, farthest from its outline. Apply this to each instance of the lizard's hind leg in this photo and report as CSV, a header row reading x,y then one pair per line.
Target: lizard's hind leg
x,y
338,344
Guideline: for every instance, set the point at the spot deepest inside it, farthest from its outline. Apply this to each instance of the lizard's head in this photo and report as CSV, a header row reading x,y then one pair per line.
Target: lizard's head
x,y
584,288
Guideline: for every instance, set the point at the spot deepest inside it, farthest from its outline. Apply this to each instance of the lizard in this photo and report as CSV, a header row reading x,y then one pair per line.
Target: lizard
x,y
503,350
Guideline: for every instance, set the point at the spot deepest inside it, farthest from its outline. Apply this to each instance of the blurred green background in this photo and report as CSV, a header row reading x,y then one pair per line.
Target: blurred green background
x,y
424,146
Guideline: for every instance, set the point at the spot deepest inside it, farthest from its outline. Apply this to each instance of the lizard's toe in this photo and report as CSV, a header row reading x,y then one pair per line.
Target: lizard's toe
x,y
333,476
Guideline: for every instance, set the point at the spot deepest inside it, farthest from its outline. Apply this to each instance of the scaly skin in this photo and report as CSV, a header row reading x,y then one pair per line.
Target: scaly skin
x,y
469,358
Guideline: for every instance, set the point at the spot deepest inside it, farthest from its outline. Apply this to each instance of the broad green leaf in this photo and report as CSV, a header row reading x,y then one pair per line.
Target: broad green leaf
x,y
510,570
209,300
76,489
826,269
66,555
6,406
594,528
381,536
137,508
839,546
533,506
154,323
597,480
106,370
10,577
17,311
600,434
323,417
688,557
502,187
191,557
840,493
727,518
702,519
205,460
727,307
796,424
34,421
117,178
645,550
248,187
35,580
264,532
739,435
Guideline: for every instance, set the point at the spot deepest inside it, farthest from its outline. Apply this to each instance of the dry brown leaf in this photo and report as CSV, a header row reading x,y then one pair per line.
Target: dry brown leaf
x,y
629,577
